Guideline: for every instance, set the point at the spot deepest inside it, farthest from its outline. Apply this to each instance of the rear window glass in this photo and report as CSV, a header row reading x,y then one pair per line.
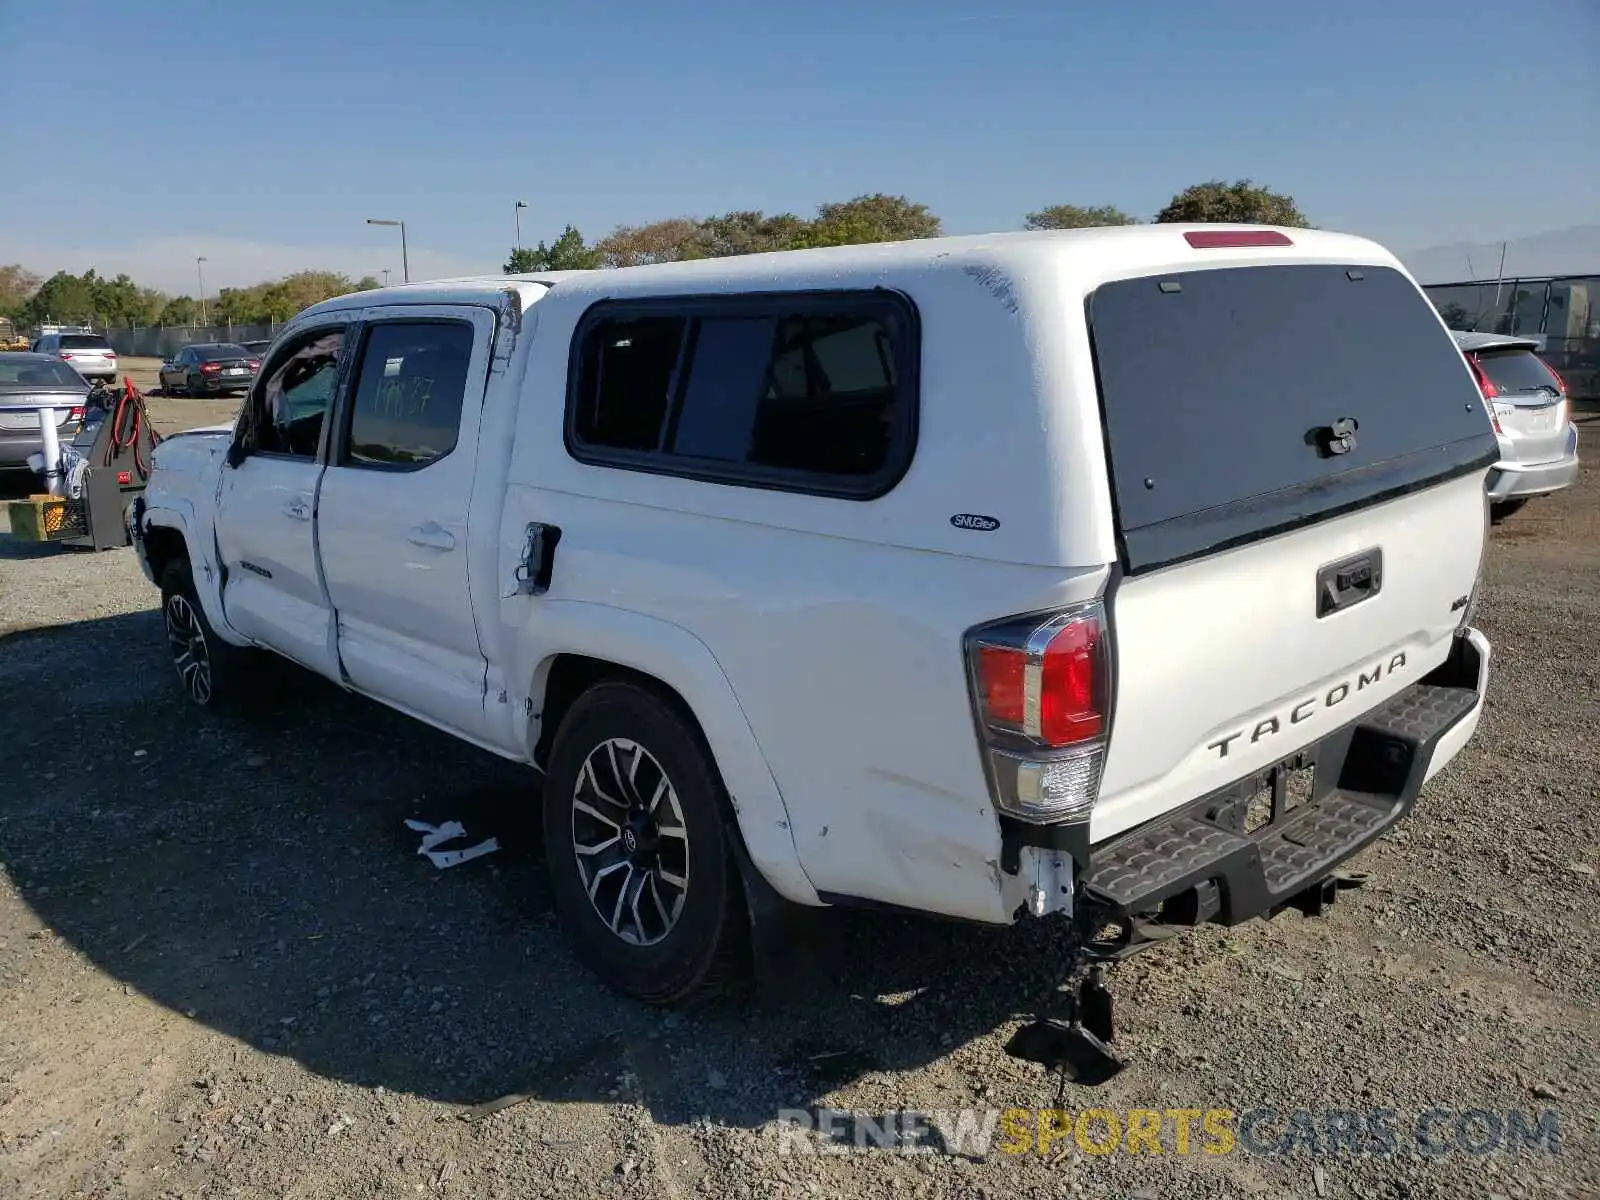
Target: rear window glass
x,y
42,372
1221,388
1514,371
213,353
83,341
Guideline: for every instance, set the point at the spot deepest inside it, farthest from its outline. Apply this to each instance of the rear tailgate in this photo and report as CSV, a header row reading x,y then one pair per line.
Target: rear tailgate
x,y
1279,579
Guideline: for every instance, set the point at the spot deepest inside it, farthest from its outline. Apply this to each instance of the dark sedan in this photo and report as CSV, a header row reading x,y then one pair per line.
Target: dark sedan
x,y
209,369
29,382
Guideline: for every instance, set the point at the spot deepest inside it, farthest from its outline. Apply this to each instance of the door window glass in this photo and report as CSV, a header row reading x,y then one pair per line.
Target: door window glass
x,y
408,398
297,395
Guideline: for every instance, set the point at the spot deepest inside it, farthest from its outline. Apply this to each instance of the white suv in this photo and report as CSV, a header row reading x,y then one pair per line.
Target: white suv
x,y
1120,571
89,354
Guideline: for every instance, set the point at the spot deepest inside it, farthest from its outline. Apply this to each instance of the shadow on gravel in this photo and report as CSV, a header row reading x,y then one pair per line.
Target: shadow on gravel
x,y
255,874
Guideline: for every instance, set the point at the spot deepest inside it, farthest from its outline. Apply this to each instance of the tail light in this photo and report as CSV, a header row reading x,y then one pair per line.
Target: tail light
x,y
66,354
254,364
210,368
1561,384
1486,388
1041,693
75,413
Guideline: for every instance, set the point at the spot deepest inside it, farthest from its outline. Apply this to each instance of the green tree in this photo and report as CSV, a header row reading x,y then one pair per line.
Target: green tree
x,y
63,298
872,218
1071,216
569,253
1240,202
523,259
367,283
180,310
746,233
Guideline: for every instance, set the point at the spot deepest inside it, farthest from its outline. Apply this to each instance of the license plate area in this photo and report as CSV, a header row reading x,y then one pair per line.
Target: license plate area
x,y
1269,797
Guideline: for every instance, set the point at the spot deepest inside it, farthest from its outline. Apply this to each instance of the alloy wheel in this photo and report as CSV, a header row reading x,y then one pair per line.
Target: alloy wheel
x,y
187,642
630,840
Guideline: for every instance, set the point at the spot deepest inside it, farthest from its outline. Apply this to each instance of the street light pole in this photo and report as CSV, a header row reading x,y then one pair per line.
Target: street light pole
x,y
201,273
405,259
385,276
516,214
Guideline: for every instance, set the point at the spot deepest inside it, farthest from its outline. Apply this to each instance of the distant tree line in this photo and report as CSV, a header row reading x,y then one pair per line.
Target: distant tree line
x,y
871,218
66,298
90,298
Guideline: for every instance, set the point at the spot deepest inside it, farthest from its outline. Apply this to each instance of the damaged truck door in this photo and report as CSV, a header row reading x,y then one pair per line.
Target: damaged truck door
x,y
267,502
392,517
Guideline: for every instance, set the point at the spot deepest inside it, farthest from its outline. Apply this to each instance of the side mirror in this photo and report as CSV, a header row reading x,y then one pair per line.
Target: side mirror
x,y
236,453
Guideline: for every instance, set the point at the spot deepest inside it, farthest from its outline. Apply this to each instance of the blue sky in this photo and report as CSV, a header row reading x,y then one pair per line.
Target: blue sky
x,y
263,136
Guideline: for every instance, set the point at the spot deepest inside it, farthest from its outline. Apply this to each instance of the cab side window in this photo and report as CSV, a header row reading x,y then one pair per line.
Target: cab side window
x,y
293,402
409,391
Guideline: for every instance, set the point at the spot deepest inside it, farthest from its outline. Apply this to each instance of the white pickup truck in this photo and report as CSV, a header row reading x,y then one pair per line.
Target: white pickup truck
x,y
1126,572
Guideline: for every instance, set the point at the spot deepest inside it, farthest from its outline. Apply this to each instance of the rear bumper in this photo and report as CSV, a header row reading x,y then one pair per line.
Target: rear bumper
x,y
1196,863
1509,479
210,386
102,369
14,450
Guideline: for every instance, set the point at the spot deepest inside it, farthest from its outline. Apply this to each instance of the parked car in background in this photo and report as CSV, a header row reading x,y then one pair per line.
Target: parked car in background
x,y
27,382
209,369
89,354
257,348
1528,404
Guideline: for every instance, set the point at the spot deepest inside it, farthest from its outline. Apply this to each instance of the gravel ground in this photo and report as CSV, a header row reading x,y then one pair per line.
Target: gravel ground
x,y
224,970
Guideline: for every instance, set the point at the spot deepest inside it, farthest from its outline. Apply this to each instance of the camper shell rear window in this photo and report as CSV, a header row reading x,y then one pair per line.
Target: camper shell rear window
x,y
1221,391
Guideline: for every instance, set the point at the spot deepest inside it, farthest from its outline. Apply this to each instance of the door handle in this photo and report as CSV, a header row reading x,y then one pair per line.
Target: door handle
x,y
298,509
431,534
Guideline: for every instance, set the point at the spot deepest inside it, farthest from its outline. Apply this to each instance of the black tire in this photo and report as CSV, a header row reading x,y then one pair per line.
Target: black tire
x,y
670,945
209,669
1501,509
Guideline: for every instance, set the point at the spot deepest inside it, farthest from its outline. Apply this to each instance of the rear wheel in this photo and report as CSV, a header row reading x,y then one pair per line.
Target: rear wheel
x,y
636,847
1501,509
208,668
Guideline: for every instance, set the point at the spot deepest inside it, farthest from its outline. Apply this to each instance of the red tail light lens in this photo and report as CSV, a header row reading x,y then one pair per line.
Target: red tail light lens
x,y
254,364
1045,682
1561,384
1041,688
66,354
1069,700
1486,388
76,413
1000,673
210,368
124,478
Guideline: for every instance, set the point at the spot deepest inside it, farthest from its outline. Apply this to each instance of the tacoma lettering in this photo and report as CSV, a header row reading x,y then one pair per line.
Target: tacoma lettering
x,y
1306,709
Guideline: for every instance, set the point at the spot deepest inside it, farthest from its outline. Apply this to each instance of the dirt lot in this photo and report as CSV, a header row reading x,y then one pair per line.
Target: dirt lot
x,y
224,970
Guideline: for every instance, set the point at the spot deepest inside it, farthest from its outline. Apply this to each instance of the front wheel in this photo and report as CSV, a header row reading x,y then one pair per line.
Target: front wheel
x,y
208,668
636,847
